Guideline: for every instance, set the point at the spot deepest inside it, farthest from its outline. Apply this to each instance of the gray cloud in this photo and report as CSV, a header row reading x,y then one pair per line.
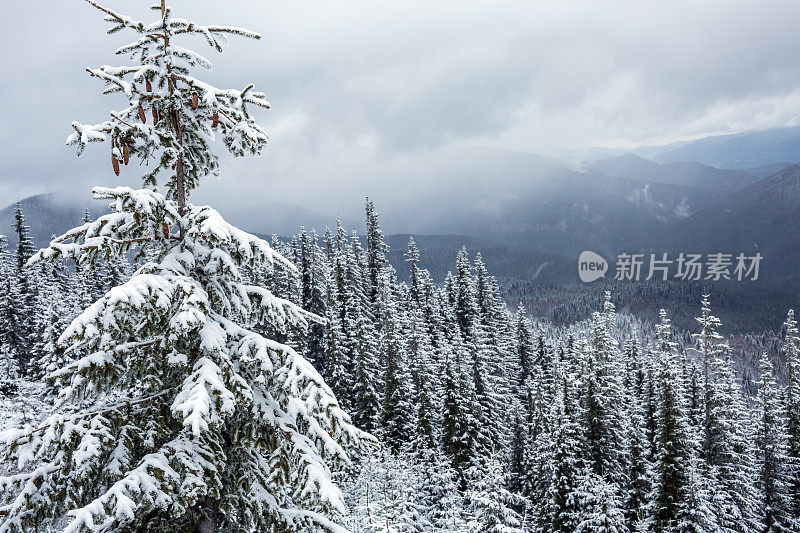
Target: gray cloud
x,y
364,93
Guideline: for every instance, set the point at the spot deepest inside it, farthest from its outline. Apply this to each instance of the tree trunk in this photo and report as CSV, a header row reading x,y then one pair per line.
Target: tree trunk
x,y
210,510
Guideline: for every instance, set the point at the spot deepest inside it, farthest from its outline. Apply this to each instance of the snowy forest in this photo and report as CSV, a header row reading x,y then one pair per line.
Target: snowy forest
x,y
163,370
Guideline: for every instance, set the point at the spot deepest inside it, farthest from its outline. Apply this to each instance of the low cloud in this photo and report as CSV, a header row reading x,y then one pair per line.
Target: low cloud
x,y
363,92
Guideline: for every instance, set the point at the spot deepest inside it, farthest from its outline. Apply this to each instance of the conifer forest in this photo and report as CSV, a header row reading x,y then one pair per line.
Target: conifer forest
x,y
163,370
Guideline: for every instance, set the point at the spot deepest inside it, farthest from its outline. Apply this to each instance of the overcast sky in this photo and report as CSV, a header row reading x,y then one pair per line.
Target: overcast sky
x,y
360,88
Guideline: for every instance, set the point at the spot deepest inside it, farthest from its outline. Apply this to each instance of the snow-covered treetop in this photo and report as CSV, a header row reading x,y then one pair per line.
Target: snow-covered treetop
x,y
709,343
171,115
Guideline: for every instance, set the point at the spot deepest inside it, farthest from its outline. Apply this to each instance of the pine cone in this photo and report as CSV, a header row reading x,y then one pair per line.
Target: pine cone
x,y
216,120
126,154
141,115
148,86
165,230
115,164
195,101
155,116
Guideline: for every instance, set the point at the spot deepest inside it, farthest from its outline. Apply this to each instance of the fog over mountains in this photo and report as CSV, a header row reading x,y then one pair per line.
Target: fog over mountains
x,y
531,216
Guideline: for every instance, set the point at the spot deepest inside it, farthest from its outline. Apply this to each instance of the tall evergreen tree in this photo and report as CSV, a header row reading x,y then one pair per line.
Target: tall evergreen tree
x,y
771,459
397,412
338,367
465,306
674,448
376,253
23,294
218,428
605,418
709,345
791,350
415,290
639,475
9,362
601,507
493,505
522,347
562,506
366,384
456,421
420,351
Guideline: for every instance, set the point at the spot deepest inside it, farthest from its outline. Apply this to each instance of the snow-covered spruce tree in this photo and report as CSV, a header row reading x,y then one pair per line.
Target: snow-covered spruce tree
x,y
771,459
709,346
23,294
420,351
559,508
196,422
465,305
397,412
522,347
601,507
492,504
791,349
603,411
725,445
673,439
9,364
55,309
384,496
376,254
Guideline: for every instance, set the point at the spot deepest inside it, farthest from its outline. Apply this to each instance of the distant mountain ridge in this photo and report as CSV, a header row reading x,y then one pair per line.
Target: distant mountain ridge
x,y
685,173
746,150
47,216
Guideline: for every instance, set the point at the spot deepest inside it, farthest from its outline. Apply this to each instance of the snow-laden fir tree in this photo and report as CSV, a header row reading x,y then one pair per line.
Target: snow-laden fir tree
x,y
672,438
23,294
9,363
426,383
384,496
175,415
603,406
723,433
465,306
376,254
709,345
397,411
791,350
559,506
523,348
771,459
639,475
56,307
415,288
492,505
732,472
601,507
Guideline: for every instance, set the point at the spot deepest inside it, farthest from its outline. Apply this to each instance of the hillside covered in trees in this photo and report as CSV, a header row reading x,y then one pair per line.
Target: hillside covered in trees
x,y
486,418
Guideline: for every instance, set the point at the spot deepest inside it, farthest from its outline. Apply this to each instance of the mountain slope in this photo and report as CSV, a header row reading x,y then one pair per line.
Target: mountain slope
x,y
687,174
47,216
764,218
